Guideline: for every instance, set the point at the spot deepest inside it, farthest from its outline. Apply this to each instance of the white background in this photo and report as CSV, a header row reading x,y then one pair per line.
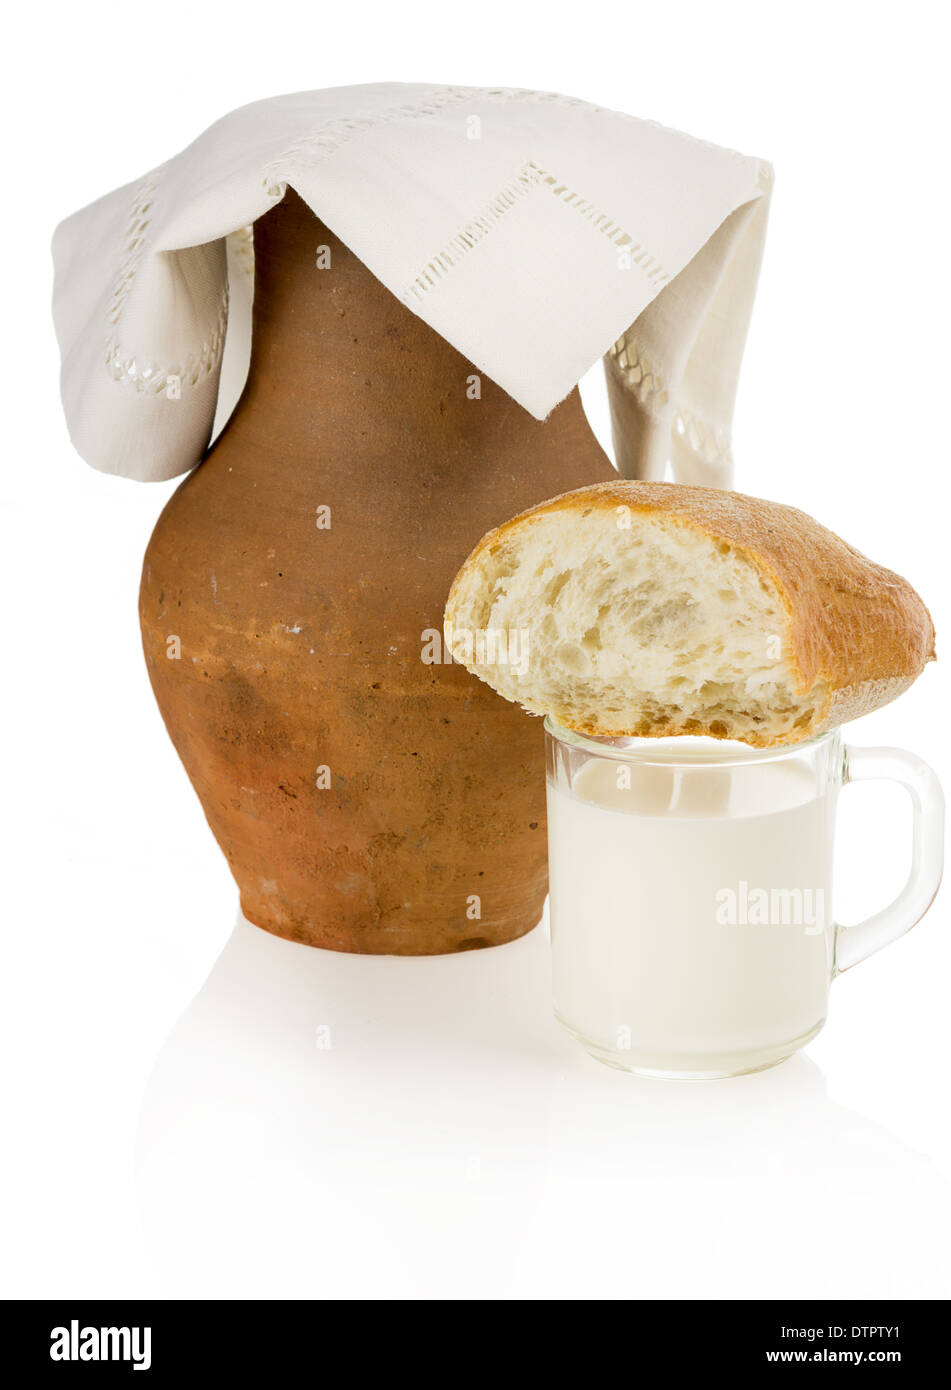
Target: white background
x,y
161,1136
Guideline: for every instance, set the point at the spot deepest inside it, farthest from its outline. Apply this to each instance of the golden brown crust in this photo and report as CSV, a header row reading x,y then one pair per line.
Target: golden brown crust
x,y
859,634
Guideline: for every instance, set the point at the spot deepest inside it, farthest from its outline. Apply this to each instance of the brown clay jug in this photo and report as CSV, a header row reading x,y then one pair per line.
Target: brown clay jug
x,y
366,800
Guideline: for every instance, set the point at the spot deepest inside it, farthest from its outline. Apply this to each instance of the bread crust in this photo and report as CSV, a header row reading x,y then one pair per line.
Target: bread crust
x,y
859,634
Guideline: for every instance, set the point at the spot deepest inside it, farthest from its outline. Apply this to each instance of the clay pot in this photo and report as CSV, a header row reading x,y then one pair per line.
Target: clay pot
x,y
365,800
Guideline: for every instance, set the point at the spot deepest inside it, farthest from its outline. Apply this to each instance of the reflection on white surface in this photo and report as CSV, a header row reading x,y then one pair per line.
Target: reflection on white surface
x,y
322,1125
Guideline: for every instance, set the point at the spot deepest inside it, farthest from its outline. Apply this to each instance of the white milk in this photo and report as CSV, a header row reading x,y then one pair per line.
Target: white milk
x,y
670,952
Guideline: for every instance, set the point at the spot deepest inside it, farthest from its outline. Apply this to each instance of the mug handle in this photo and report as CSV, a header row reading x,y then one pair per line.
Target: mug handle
x,y
855,943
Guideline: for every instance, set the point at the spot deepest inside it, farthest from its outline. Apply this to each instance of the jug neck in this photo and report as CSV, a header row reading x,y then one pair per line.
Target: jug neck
x,y
328,336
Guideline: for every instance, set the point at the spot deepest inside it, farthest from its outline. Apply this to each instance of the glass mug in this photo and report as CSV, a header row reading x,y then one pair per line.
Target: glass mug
x,y
691,886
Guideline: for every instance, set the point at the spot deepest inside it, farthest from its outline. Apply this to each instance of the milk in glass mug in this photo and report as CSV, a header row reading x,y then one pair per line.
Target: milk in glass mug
x,y
691,893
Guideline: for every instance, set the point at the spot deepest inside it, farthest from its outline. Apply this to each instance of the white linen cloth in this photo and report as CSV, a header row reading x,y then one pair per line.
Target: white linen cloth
x,y
534,232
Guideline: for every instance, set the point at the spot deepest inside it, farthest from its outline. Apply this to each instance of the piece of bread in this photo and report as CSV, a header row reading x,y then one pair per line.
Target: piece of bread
x,y
650,609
